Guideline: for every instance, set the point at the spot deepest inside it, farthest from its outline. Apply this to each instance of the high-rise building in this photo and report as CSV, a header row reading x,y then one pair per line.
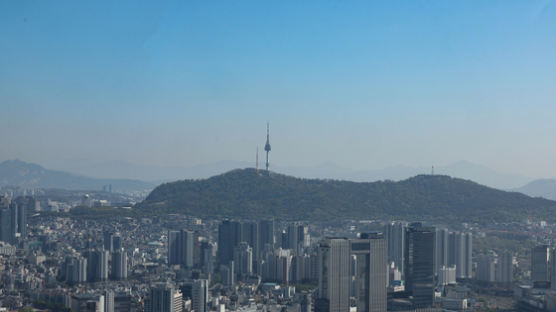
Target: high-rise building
x,y
81,265
164,298
123,303
303,236
199,295
468,263
486,266
227,273
292,236
441,250
206,260
297,268
181,247
283,266
394,232
266,232
447,275
13,221
187,248
553,269
504,268
419,264
75,270
97,265
108,301
174,247
22,221
5,225
306,305
460,253
370,272
229,237
284,240
540,268
250,234
334,276
297,236
119,265
243,260
108,241
117,242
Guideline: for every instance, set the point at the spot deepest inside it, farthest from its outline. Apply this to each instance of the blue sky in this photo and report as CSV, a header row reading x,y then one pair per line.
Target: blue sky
x,y
364,84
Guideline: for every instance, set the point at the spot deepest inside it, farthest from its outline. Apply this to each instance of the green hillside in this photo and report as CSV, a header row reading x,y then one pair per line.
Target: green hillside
x,y
249,194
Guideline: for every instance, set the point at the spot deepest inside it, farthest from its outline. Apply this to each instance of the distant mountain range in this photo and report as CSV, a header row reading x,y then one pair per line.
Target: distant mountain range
x,y
460,169
539,188
28,175
126,177
251,194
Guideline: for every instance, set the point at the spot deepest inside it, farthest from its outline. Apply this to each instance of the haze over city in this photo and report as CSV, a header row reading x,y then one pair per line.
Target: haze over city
x,y
361,85
278,156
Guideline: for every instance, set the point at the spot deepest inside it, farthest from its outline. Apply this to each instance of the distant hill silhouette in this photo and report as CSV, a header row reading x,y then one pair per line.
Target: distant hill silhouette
x,y
460,169
539,188
247,193
28,175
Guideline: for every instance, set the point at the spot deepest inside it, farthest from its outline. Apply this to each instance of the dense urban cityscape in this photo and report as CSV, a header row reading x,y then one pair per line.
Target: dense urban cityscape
x,y
277,156
185,263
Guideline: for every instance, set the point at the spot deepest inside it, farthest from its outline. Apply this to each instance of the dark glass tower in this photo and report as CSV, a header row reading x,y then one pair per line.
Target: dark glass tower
x,y
229,237
266,231
419,264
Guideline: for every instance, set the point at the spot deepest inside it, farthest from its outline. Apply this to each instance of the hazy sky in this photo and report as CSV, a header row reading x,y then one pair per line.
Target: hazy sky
x,y
364,84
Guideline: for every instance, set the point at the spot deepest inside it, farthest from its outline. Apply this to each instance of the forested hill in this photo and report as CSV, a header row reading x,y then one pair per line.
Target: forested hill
x,y
250,194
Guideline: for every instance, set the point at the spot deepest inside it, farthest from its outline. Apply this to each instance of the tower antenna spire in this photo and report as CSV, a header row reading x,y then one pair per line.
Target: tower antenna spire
x,y
267,145
257,160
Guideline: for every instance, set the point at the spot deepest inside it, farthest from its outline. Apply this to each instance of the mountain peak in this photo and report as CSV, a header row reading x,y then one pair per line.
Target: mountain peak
x,y
18,173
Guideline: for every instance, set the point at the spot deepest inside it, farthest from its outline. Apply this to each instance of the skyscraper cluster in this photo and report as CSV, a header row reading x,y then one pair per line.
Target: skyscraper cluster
x,y
454,249
97,265
13,221
499,268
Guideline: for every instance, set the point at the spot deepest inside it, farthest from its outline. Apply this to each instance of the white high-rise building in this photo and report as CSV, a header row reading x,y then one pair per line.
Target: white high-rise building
x,y
460,253
441,257
334,275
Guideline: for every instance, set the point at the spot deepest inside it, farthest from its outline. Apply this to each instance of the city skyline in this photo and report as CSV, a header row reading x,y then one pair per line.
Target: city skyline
x,y
286,156
372,85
